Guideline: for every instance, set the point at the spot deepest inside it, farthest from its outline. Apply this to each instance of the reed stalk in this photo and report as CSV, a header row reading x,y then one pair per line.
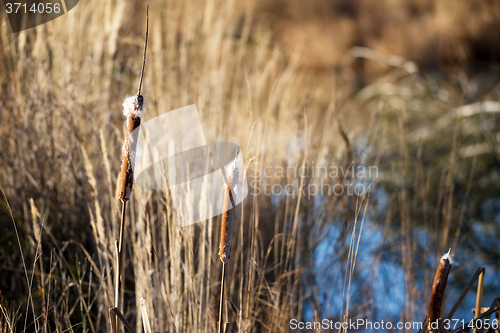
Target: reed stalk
x,y
145,317
132,109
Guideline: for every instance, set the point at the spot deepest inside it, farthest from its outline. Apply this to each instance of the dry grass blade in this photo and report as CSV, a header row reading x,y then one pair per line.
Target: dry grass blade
x,y
145,318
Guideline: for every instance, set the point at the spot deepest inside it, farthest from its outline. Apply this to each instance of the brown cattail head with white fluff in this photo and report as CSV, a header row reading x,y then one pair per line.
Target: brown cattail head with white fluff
x,y
226,234
132,109
438,288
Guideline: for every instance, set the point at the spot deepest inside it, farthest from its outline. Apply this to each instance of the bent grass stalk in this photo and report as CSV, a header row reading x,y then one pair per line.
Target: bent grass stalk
x,y
227,225
438,288
132,109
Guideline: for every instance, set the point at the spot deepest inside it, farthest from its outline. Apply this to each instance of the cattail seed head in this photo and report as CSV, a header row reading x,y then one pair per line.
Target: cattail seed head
x,y
438,288
132,109
133,105
230,197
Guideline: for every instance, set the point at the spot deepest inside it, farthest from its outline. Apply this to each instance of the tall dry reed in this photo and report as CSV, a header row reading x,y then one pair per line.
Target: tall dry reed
x,y
132,109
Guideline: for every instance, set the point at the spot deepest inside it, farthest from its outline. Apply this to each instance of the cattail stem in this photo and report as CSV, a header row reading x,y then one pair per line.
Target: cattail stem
x,y
145,48
119,257
221,306
438,288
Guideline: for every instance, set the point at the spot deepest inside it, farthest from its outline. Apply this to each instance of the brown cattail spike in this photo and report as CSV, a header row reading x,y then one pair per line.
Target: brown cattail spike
x,y
438,288
226,235
132,108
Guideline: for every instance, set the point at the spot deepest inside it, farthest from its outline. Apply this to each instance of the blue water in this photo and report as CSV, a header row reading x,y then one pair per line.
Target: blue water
x,y
378,287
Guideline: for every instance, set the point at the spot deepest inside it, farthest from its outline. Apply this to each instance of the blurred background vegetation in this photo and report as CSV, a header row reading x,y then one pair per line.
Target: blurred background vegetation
x,y
411,87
